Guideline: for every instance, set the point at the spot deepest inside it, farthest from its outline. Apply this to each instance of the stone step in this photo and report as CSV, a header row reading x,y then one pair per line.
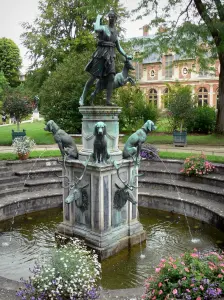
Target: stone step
x,y
173,165
207,210
27,202
12,191
191,188
31,164
4,168
212,179
44,183
10,179
43,172
6,173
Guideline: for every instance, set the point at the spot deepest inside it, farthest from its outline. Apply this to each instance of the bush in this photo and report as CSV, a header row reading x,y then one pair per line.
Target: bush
x,y
203,121
197,165
191,276
180,104
135,109
72,273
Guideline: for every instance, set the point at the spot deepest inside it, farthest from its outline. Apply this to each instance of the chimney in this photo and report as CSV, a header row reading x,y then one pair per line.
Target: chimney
x,y
162,29
145,30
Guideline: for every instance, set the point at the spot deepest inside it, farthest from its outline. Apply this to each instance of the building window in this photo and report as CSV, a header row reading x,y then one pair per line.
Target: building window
x,y
168,66
202,97
203,73
153,97
185,71
152,73
164,93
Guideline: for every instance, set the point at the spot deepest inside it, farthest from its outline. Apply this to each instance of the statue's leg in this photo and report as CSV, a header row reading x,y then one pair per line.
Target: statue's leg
x,y
87,86
96,91
110,83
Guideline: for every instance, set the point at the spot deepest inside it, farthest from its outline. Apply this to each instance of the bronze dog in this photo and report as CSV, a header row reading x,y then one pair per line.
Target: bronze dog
x,y
65,142
133,145
100,153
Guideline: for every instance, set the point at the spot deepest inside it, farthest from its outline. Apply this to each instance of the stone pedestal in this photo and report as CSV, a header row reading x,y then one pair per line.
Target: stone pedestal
x,y
108,115
36,115
105,224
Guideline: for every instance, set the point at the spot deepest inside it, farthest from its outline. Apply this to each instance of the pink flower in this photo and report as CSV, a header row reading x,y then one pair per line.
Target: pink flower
x,y
184,278
219,290
157,270
222,270
195,249
160,284
163,260
201,288
220,276
174,266
194,255
198,298
160,292
183,263
174,292
186,269
153,298
187,290
221,265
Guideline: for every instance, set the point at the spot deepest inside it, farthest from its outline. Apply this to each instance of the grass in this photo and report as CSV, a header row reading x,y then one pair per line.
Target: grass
x,y
162,154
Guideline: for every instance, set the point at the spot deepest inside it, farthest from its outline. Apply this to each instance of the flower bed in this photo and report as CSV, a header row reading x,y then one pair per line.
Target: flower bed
x,y
191,276
71,273
197,165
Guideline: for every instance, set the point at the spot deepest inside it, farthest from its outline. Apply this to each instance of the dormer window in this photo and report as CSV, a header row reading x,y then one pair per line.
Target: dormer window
x,y
152,73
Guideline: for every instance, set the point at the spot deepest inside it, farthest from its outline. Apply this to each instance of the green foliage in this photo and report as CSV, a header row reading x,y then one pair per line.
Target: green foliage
x,y
135,109
203,120
71,273
64,27
192,276
60,93
180,104
3,85
197,165
17,104
10,61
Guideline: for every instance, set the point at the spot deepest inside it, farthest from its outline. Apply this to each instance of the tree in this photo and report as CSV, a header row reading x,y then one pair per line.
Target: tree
x,y
180,104
60,93
10,61
197,32
17,104
135,109
63,27
3,85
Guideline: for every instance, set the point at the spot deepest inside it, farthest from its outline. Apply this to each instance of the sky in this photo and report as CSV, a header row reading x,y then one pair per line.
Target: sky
x,y
14,12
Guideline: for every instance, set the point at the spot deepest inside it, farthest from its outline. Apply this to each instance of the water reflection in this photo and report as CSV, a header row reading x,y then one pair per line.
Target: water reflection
x,y
167,235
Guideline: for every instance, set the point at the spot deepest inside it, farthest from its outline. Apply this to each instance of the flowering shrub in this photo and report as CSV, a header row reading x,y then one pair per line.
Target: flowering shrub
x,y
23,144
149,152
191,276
71,273
197,165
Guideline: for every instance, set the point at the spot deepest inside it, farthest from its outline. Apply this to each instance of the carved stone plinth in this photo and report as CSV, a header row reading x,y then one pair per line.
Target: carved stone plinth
x,y
105,226
108,115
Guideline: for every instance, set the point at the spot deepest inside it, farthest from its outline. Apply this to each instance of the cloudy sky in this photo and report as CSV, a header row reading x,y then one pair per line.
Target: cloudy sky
x,y
15,12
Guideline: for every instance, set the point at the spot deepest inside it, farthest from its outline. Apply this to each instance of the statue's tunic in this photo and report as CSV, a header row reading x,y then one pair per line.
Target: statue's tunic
x,y
103,59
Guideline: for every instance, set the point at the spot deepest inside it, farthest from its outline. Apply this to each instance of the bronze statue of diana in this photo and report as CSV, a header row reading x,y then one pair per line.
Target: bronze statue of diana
x,y
102,64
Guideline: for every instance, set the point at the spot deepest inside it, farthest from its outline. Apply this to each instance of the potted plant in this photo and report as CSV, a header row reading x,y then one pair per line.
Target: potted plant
x,y
22,146
180,104
20,107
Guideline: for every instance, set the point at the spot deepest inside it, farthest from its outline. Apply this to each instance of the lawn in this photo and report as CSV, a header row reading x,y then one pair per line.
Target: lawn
x,y
56,153
36,131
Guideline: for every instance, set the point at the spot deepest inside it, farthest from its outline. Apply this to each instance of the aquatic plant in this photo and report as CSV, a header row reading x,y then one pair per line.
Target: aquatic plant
x,y
193,275
71,273
197,165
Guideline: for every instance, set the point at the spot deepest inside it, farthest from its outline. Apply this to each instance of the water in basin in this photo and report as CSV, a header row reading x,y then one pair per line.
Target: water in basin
x,y
167,235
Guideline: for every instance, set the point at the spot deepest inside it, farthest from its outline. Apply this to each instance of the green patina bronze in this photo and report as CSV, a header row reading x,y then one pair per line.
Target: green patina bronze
x,y
102,64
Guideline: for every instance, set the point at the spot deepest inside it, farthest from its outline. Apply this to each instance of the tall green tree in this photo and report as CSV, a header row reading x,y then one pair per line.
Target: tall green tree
x,y
63,27
3,85
196,30
10,61
60,93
